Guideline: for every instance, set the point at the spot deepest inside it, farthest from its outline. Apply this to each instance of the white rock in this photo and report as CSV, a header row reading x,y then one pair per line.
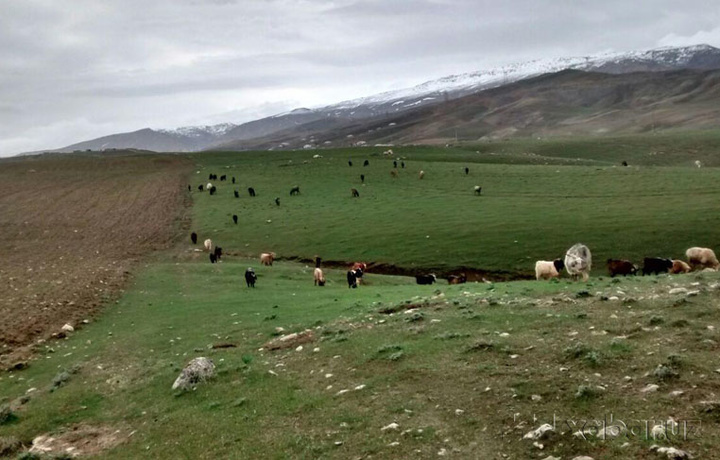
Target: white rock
x,y
359,387
459,411
536,397
677,393
393,444
671,452
504,334
679,290
583,457
539,433
299,348
442,452
392,426
198,370
609,432
67,328
651,387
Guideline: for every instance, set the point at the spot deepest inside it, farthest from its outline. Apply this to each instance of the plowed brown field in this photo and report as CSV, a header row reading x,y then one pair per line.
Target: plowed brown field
x,y
72,226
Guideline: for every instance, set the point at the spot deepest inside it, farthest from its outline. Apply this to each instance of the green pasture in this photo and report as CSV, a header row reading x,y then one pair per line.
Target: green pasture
x,y
458,372
525,213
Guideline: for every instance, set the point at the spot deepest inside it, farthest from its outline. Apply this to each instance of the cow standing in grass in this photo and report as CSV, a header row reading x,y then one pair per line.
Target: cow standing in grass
x,y
250,277
193,237
295,190
251,191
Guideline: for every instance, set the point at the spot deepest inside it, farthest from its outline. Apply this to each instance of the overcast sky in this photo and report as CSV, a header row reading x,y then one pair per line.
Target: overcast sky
x,y
75,70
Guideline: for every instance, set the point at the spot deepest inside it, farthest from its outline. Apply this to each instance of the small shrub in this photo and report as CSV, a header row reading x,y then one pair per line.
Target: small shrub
x,y
415,316
247,359
675,361
657,320
396,356
680,323
576,350
9,445
586,392
592,358
480,345
6,414
451,335
664,373
28,456
582,295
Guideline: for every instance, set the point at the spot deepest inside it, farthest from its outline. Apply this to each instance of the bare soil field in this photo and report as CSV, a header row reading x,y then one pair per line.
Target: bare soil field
x,y
72,227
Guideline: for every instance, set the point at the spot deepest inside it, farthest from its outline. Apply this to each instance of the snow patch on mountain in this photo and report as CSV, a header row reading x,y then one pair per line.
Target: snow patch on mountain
x,y
200,131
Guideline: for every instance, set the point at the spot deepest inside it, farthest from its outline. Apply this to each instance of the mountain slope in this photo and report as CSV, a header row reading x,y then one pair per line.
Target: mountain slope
x,y
389,104
565,103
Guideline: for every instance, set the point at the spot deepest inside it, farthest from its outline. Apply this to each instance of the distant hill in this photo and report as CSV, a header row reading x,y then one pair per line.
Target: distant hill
x,y
309,127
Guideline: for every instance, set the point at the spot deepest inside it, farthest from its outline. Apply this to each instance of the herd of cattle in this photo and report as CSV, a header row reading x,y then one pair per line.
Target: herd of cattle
x,y
577,261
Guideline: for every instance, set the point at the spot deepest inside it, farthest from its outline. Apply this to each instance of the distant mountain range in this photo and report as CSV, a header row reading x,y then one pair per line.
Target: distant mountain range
x,y
608,82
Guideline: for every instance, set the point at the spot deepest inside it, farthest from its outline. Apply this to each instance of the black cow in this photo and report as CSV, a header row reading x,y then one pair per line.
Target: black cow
x,y
213,189
366,163
277,201
425,279
467,170
223,177
352,277
213,258
235,218
402,163
193,237
233,179
251,191
395,164
362,178
250,277
237,194
200,187
189,188
624,163
218,253
349,162
656,265
355,192
295,190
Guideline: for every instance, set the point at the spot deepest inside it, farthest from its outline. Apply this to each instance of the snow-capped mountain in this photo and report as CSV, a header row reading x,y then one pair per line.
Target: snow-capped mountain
x,y
668,58
200,131
304,120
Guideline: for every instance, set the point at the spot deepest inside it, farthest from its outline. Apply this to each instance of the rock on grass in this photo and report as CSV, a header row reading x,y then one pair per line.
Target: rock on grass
x,y
198,370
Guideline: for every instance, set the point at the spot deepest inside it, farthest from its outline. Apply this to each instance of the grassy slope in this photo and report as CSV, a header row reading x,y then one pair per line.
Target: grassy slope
x,y
130,357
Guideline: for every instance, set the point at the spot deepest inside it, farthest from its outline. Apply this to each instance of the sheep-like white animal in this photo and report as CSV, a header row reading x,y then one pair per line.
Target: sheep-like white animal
x,y
319,277
698,164
702,258
578,261
208,245
545,269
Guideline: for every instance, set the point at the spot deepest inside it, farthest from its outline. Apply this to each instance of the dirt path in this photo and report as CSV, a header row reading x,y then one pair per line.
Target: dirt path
x,y
72,228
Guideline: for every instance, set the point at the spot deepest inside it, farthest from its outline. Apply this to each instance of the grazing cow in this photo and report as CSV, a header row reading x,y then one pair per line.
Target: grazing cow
x,y
295,190
679,266
656,265
354,192
624,163
319,277
218,252
395,164
359,268
545,269
208,245
189,188
366,163
354,277
349,162
213,258
578,261
467,170
223,178
250,277
251,191
236,193
425,279
478,190
212,189
362,178
621,267
233,179
394,173
421,175
699,258
193,237
267,258
457,279
402,164
210,176
235,218
200,187
277,201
